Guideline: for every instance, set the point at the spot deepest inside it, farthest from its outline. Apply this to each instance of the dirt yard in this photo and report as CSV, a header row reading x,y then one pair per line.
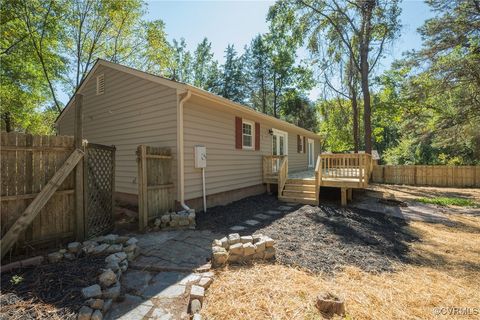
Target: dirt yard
x,y
386,268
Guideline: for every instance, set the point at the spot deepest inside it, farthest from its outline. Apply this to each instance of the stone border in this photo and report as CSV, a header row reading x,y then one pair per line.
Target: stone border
x,y
99,297
197,294
237,249
176,220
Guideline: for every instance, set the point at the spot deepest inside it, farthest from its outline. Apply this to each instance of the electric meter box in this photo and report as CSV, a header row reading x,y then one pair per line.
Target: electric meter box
x,y
200,157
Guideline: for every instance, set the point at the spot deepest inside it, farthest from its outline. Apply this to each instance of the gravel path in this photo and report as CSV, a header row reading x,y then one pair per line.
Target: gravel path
x,y
325,238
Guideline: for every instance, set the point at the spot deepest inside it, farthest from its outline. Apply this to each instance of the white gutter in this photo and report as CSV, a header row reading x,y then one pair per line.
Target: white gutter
x,y
180,151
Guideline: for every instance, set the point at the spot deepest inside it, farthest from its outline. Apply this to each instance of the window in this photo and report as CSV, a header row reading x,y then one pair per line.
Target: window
x,y
301,147
100,84
247,134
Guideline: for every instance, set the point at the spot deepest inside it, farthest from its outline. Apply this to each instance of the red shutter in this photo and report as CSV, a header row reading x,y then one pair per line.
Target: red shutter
x,y
304,145
257,136
238,133
298,144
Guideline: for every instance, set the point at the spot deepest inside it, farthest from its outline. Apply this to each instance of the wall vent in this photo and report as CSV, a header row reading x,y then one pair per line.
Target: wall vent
x,y
100,84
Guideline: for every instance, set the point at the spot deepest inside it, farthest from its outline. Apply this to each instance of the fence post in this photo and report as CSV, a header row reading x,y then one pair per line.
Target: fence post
x,y
142,190
79,186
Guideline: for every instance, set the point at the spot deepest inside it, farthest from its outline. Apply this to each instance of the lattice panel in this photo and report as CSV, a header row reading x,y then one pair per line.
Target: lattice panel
x,y
99,188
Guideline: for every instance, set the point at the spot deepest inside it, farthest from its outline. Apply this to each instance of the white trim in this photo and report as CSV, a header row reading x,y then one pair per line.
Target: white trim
x,y
312,142
252,124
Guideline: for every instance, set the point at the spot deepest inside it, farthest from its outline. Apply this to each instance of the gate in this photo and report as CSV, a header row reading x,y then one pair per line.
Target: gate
x,y
99,188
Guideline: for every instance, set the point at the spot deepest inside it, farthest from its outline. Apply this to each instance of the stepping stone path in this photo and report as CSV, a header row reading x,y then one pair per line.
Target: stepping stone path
x,y
238,228
285,208
262,216
273,212
252,222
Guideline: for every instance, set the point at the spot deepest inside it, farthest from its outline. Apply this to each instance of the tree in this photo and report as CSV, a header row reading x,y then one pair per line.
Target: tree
x,y
233,80
181,64
203,64
258,69
299,110
158,52
361,27
98,29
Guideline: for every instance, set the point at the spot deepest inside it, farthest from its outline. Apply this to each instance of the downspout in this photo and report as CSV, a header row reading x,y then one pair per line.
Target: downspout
x,y
181,157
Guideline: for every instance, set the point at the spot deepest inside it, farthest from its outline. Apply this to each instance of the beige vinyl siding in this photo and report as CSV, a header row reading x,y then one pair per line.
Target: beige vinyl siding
x,y
132,111
213,125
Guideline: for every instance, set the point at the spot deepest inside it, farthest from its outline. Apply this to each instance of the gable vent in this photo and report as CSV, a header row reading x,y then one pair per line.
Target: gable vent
x,y
100,84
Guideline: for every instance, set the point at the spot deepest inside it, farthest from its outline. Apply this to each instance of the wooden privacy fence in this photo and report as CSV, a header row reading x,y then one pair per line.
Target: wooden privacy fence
x,y
438,176
31,171
155,183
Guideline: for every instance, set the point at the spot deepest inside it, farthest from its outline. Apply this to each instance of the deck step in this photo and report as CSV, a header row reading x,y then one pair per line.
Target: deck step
x,y
306,187
300,181
299,193
302,200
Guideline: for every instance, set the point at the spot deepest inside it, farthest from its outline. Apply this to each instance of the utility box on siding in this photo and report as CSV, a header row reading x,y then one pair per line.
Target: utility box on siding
x,y
200,157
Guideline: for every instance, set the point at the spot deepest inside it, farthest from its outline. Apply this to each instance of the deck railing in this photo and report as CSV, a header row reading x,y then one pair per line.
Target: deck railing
x,y
318,179
271,167
346,166
282,174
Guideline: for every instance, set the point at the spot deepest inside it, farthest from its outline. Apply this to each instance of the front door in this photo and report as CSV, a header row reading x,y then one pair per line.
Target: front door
x,y
310,153
279,146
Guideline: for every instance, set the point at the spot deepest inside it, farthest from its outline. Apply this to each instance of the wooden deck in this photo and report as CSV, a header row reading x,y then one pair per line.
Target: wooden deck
x,y
344,171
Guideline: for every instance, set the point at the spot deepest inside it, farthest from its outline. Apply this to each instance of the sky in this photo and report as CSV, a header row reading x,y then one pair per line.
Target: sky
x,y
237,22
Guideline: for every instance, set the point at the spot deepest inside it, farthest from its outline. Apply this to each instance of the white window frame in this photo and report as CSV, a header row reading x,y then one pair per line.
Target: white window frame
x,y
312,142
100,78
252,125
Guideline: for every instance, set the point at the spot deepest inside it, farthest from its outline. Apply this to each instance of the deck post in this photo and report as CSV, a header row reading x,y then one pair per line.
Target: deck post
x,y
349,194
344,196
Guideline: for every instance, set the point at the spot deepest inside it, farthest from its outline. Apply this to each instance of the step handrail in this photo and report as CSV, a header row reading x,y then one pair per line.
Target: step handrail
x,y
282,174
318,179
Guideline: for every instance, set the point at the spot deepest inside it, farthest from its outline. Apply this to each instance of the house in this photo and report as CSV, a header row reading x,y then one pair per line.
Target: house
x,y
126,107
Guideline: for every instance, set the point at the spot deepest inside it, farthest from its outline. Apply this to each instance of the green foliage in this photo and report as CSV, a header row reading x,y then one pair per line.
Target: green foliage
x,y
232,78
299,110
450,201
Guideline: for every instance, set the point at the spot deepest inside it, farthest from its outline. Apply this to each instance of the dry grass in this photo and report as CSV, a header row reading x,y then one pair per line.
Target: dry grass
x,y
445,273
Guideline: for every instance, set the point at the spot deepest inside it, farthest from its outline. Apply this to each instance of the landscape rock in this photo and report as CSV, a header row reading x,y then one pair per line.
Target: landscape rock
x,y
205,282
131,241
112,292
257,237
96,304
97,315
100,248
92,291
224,242
218,249
85,313
197,316
69,256
220,258
122,239
112,265
62,251
55,257
116,257
124,265
107,278
233,238
236,249
269,242
195,306
107,304
248,249
110,238
245,239
197,292
74,247
216,243
234,257
114,248
260,246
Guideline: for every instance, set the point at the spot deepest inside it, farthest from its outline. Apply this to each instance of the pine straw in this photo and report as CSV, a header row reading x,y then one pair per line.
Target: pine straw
x,y
444,273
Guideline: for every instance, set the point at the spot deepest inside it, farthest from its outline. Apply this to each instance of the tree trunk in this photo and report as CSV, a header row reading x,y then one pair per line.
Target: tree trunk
x,y
356,133
8,121
367,10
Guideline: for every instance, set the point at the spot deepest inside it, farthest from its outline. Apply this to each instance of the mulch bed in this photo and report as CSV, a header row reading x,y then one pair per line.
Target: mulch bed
x,y
326,238
48,291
